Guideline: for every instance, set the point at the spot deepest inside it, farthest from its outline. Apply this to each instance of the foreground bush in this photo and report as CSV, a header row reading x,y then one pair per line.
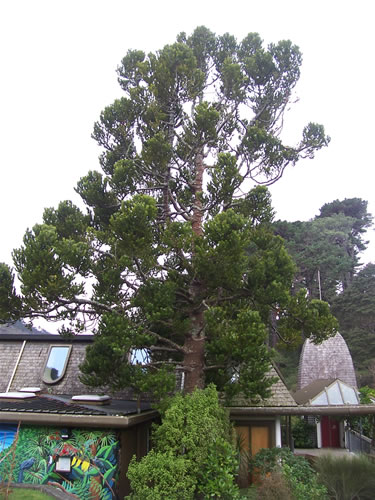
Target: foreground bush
x,y
193,455
161,475
274,487
347,478
293,474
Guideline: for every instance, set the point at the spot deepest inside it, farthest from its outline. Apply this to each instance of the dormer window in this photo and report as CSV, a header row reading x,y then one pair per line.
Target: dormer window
x,y
57,360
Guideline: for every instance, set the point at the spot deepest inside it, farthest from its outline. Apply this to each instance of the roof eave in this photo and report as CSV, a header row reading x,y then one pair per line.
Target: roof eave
x,y
107,421
340,410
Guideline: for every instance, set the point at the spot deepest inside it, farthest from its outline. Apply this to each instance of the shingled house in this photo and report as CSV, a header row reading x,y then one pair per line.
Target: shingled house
x,y
81,440
68,436
326,377
41,390
260,424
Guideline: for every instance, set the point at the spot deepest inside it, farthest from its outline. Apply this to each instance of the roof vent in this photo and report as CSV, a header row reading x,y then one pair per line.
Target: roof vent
x,y
30,389
17,395
93,399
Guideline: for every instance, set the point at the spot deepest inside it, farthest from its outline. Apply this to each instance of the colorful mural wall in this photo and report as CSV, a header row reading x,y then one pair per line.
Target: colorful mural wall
x,y
32,455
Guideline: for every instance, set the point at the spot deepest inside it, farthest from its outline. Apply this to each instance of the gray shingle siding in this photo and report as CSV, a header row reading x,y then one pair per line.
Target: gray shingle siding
x,y
280,396
329,360
30,368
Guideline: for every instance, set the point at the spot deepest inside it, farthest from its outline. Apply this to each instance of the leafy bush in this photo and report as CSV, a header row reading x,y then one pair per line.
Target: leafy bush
x,y
296,471
347,478
218,470
267,459
304,488
195,433
303,433
364,423
159,476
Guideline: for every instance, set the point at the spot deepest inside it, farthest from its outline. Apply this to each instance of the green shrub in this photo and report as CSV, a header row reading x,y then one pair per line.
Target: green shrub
x,y
159,476
303,433
296,471
267,459
196,433
215,480
304,488
347,478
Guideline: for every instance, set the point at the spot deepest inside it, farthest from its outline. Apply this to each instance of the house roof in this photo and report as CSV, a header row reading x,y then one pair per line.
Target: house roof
x,y
20,328
330,392
49,410
329,360
280,396
308,392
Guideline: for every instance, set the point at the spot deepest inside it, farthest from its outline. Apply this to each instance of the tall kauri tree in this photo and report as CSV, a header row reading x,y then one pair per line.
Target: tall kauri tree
x,y
174,258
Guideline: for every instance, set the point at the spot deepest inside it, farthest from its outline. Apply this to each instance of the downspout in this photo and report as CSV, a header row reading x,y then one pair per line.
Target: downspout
x,y
16,365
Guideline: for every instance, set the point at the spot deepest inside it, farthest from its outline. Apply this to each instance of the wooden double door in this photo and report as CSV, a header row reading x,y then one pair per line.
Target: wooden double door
x,y
251,438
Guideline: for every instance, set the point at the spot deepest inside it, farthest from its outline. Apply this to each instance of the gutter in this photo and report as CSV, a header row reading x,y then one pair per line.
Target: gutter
x,y
115,422
344,410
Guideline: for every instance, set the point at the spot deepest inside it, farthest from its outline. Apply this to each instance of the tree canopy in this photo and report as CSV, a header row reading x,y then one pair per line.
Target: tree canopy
x,y
355,310
175,259
327,247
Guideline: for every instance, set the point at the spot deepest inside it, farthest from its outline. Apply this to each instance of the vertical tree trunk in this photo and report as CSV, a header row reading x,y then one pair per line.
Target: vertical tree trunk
x,y
195,340
194,363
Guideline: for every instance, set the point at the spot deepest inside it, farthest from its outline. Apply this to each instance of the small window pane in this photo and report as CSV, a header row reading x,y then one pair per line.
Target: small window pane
x,y
320,400
56,364
334,395
350,396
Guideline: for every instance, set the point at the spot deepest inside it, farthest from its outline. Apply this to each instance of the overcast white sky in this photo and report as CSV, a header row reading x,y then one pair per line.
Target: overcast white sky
x,y
58,62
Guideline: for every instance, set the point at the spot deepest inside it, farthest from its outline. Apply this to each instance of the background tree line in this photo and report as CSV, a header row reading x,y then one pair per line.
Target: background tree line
x,y
327,251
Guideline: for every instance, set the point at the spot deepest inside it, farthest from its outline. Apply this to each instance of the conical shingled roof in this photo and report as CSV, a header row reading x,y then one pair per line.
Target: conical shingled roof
x,y
329,360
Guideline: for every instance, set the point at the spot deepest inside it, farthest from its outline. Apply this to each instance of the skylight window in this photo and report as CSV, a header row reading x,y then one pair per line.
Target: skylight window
x,y
57,360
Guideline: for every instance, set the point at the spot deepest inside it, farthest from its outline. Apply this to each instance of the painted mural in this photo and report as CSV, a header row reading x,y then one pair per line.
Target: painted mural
x,y
32,455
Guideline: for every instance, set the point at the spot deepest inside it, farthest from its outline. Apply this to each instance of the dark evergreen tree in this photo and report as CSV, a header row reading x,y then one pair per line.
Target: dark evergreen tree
x,y
355,310
326,249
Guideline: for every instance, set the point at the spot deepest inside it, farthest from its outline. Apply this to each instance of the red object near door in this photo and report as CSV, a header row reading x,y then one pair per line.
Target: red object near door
x,y
330,432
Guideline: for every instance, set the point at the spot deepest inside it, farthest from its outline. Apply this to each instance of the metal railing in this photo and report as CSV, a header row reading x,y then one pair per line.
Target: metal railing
x,y
358,443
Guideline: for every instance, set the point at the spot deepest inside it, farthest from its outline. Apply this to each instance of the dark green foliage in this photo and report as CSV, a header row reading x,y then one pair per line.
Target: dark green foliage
x,y
159,476
330,243
175,257
327,249
356,208
10,303
287,360
347,478
355,310
303,433
267,459
364,424
193,452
